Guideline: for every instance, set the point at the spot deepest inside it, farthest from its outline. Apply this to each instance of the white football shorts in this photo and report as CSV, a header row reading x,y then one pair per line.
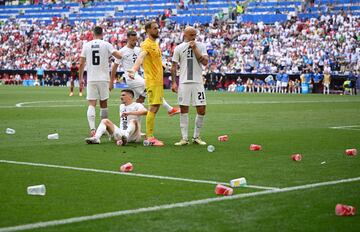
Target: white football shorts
x,y
97,90
191,92
134,137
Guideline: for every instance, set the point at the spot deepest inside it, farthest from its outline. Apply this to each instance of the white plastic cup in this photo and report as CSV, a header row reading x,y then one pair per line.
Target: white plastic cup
x,y
238,182
53,136
36,190
10,131
211,148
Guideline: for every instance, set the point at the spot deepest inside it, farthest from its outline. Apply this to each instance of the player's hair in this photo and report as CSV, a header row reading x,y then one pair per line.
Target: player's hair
x,y
131,33
129,91
148,25
98,30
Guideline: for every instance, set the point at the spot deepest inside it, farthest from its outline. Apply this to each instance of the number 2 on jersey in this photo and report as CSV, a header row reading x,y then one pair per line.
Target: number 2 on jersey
x,y
201,95
95,57
190,53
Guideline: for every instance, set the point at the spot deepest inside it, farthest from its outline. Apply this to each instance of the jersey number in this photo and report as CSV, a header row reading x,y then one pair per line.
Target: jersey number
x,y
95,57
124,119
190,53
201,95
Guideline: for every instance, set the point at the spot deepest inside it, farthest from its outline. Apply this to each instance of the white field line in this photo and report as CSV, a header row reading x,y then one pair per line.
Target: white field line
x,y
129,174
352,127
170,206
214,102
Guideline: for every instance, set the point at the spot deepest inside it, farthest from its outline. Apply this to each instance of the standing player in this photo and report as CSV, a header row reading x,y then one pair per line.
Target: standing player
x,y
74,70
96,54
326,82
190,55
278,78
284,81
150,58
129,55
130,126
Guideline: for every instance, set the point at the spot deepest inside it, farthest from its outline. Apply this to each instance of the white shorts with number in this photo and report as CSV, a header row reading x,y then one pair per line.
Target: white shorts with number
x,y
134,137
284,84
278,83
97,90
191,92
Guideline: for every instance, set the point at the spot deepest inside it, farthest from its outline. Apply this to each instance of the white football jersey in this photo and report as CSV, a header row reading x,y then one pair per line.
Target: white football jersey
x,y
129,108
190,68
97,53
127,61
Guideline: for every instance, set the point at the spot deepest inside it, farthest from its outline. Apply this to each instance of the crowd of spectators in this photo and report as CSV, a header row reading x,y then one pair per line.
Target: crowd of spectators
x,y
330,43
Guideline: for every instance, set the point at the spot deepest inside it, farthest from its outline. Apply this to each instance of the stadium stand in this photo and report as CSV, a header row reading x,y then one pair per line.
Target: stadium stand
x,y
268,36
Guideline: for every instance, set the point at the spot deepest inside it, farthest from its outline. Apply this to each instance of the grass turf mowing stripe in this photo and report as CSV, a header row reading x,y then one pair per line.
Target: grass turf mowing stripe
x,y
129,174
211,102
171,206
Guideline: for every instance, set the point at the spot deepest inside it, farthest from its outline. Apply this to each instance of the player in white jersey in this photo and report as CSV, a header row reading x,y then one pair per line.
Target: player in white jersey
x,y
95,54
190,55
130,126
129,55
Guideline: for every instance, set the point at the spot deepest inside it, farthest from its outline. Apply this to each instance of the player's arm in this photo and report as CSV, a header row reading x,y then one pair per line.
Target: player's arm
x,y
174,86
117,54
137,113
114,68
81,70
203,59
139,61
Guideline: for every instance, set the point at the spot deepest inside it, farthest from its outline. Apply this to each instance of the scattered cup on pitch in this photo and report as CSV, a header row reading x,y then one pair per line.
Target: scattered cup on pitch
x,y
223,190
36,190
239,182
53,136
296,157
344,210
128,167
210,148
351,152
223,138
255,147
10,131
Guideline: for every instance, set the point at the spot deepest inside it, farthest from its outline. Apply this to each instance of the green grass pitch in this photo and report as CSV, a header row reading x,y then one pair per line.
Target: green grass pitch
x,y
282,124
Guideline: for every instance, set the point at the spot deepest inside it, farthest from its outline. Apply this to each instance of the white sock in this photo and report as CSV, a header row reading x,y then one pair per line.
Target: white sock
x,y
130,130
100,130
166,105
199,120
91,117
104,113
184,125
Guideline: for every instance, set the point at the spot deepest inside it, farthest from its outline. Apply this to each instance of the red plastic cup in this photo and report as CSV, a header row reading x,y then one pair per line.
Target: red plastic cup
x,y
351,152
345,210
296,157
223,138
255,147
128,167
223,190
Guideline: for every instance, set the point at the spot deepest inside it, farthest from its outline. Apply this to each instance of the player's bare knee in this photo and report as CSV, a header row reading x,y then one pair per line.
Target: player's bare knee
x,y
140,99
103,103
106,121
184,109
201,110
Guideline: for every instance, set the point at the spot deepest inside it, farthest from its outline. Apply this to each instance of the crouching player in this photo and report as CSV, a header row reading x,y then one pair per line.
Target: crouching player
x,y
130,126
